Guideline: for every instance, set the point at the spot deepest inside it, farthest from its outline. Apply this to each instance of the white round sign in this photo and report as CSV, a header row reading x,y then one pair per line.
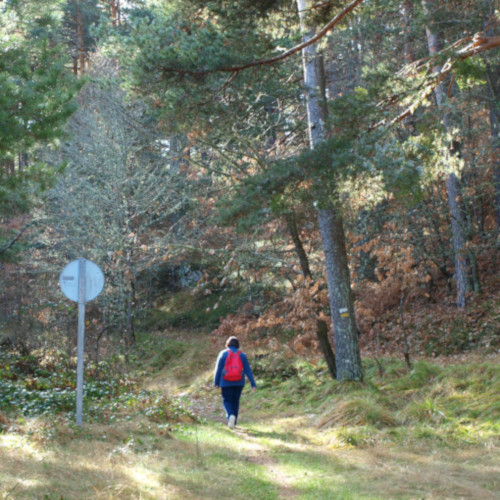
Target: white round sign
x,y
94,280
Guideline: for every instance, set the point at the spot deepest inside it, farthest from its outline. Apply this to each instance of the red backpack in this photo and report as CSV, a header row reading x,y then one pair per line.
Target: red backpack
x,y
233,368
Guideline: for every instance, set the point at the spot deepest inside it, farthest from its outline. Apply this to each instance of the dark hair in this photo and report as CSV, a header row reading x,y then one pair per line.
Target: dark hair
x,y
233,342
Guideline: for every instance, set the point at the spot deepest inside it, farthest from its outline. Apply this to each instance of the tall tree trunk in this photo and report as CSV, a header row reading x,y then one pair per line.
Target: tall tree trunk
x,y
452,181
130,331
11,166
80,38
493,78
321,326
114,7
407,11
495,126
178,161
346,341
346,336
326,347
291,223
457,231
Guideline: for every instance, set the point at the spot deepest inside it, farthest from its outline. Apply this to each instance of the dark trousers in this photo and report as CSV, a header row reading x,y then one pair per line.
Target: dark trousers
x,y
231,399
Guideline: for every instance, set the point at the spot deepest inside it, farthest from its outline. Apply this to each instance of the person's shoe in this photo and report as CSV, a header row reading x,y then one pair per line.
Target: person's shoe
x,y
231,422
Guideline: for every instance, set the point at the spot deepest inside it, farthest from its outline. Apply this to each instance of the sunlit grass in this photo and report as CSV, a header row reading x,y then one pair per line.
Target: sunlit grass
x,y
272,460
318,475
430,433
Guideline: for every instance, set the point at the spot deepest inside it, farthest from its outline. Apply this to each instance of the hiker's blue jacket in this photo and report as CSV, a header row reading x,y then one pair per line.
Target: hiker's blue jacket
x,y
219,370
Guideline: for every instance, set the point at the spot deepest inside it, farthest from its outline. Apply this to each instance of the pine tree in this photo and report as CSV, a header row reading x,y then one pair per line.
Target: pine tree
x,y
36,98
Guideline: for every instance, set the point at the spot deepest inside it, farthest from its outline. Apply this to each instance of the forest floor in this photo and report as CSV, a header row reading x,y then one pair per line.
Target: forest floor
x,y
288,444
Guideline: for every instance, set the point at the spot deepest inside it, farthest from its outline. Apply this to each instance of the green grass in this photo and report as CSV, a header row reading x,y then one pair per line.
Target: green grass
x,y
215,449
455,405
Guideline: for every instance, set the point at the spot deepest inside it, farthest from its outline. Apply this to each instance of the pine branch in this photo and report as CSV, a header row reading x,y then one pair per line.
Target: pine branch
x,y
272,60
11,243
478,43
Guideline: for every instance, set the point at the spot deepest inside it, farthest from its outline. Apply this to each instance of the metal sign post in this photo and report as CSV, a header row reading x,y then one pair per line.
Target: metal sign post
x,y
81,341
81,281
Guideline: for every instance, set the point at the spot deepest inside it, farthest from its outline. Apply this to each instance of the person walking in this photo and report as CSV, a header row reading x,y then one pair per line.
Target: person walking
x,y
230,370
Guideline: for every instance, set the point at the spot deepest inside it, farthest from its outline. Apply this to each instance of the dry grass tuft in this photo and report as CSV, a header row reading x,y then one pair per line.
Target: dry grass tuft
x,y
357,411
427,411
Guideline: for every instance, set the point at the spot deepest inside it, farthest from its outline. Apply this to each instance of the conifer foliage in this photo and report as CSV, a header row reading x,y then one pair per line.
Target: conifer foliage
x,y
36,93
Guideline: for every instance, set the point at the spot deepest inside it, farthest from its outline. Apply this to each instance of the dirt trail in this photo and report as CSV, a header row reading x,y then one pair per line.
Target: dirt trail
x,y
209,406
205,401
262,456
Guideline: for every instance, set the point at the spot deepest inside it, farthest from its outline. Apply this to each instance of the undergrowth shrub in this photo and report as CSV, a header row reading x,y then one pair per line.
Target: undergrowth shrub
x,y
155,406
452,339
421,375
4,422
106,396
43,398
274,366
358,437
455,404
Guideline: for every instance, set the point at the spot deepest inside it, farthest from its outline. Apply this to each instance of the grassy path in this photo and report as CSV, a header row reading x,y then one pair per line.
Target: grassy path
x,y
279,450
208,461
253,449
293,458
262,457
289,458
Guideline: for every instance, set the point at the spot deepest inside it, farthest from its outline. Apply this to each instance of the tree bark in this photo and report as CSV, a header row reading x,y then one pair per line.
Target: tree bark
x,y
114,6
457,225
322,333
321,326
493,78
81,43
346,341
346,336
407,11
452,181
297,243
